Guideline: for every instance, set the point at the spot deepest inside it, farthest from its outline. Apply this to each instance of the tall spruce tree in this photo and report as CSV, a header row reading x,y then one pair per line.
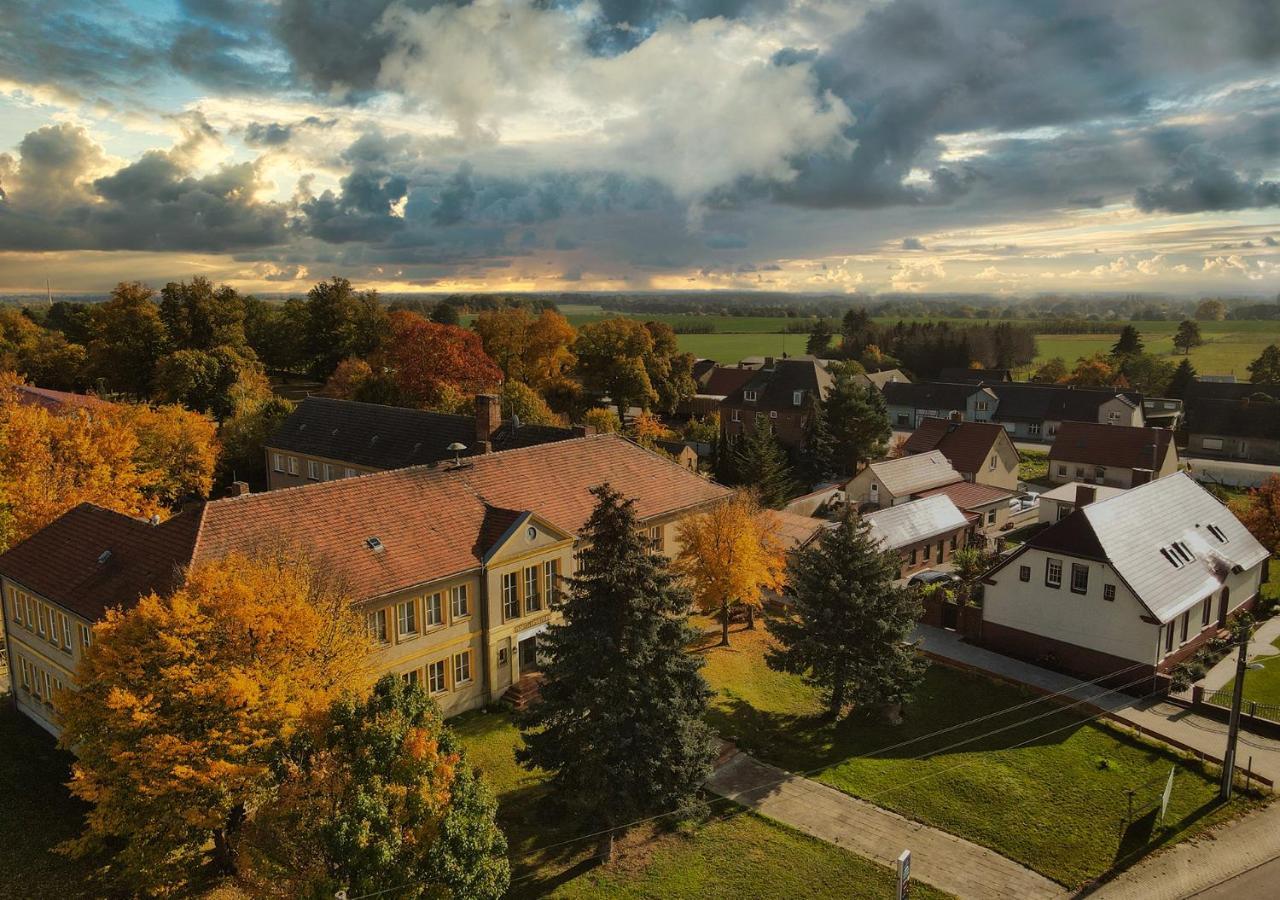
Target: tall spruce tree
x,y
1130,342
620,723
761,463
1183,376
819,339
847,635
817,461
858,419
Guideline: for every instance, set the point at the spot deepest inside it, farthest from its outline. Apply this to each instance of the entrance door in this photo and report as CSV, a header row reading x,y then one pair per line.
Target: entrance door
x,y
529,655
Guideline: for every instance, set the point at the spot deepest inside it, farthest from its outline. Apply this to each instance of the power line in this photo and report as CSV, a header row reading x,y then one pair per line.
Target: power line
x,y
950,728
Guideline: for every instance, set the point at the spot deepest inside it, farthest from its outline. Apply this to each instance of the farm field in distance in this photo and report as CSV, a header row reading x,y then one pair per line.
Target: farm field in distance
x,y
1230,345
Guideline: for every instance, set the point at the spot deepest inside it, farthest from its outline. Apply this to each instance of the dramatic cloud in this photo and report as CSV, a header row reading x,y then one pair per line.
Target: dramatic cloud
x,y
774,144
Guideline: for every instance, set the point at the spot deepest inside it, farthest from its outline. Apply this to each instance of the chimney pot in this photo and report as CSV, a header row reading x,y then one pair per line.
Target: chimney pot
x,y
1085,494
488,420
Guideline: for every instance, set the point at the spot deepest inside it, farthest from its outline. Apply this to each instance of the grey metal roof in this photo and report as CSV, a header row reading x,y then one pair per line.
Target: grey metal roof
x,y
1134,527
910,474
919,520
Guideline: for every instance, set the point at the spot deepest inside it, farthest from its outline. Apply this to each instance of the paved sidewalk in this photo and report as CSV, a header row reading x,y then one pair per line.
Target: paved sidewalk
x,y
943,860
1161,720
1195,865
1259,646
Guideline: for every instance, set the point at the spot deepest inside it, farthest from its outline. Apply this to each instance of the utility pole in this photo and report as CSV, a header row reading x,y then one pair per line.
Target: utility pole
x,y
1233,730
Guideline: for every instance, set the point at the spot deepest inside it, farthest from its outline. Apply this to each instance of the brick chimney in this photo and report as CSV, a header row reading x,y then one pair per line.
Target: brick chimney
x,y
1141,476
583,430
238,489
769,363
1085,494
488,419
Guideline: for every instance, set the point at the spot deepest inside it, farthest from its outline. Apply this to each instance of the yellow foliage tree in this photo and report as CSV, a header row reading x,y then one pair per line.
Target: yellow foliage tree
x,y
604,421
51,463
177,451
648,428
183,697
730,555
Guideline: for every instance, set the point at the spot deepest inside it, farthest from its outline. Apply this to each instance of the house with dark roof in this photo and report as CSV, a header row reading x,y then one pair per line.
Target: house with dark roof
x,y
780,394
1033,412
1125,588
910,404
980,376
325,439
714,385
1114,455
982,452
1233,420
456,567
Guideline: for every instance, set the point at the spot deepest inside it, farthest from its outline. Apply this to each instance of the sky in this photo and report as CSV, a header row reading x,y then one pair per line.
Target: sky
x,y
834,146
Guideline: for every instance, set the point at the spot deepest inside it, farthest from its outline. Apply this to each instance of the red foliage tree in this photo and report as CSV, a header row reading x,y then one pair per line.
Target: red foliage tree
x,y
426,359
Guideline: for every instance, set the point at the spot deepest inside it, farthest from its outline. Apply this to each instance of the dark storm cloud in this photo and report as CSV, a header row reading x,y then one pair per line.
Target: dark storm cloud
x,y
151,204
912,243
278,134
1203,181
362,211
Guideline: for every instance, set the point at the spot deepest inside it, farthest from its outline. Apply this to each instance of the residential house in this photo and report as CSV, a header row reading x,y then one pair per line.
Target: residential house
x,y
986,506
909,404
1065,499
685,453
1114,455
1033,412
1162,412
456,568
888,482
1247,429
924,533
887,376
982,452
59,402
780,394
326,439
714,386
1125,588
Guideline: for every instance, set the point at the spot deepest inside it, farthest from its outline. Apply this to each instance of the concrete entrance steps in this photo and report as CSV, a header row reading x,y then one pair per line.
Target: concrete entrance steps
x,y
524,692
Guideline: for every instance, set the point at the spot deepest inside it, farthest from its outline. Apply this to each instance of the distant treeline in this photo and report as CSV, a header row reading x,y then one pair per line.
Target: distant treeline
x,y
926,348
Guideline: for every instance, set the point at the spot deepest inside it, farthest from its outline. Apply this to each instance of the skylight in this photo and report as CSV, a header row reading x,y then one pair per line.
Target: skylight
x,y
374,544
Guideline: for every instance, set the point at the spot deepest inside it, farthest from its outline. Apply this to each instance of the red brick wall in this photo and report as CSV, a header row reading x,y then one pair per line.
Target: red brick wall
x,y
1070,658
788,426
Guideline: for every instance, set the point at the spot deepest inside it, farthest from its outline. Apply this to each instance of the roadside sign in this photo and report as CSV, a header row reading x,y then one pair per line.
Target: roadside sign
x,y
904,875
1168,792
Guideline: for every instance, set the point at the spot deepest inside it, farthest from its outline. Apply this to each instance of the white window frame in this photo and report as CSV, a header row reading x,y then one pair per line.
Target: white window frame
x,y
1211,443
66,631
313,470
797,398
1051,563
737,415
293,465
349,473
433,610
1076,570
459,602
277,461
376,622
510,587
462,667
328,471
749,396
1109,593
532,603
551,572
437,677
407,619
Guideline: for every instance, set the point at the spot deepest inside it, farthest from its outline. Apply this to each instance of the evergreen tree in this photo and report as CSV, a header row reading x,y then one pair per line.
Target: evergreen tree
x,y
445,313
620,723
819,339
818,462
1266,368
848,633
1183,376
761,463
1130,342
858,419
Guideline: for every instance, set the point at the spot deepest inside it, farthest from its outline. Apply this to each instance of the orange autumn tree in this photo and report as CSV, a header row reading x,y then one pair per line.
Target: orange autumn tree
x,y
182,699
51,463
177,451
427,360
1259,511
730,555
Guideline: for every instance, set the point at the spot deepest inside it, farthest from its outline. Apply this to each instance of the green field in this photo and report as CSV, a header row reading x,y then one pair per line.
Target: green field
x,y
1049,793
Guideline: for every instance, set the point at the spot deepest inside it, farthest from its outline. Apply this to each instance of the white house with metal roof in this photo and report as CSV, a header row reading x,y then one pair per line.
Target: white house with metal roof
x,y
888,482
923,533
1127,586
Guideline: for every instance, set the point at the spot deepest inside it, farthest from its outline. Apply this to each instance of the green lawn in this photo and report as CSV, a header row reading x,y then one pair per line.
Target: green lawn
x,y
1033,465
733,854
1049,793
39,813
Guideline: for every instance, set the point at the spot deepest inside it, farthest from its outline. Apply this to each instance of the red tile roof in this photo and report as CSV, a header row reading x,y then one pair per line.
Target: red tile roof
x,y
58,402
724,380
968,495
431,522
967,445
1110,445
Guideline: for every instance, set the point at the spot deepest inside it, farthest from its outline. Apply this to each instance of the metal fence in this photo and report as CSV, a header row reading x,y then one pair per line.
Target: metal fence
x,y
1222,697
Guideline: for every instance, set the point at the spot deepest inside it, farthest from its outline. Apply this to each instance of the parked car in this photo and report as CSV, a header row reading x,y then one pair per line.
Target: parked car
x,y
932,576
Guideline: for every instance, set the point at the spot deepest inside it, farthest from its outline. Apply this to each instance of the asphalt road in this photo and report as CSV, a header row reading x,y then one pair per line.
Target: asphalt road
x,y
1260,883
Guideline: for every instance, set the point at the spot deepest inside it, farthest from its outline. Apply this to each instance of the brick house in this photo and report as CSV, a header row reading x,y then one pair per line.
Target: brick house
x,y
326,439
1125,588
781,393
456,568
1113,455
